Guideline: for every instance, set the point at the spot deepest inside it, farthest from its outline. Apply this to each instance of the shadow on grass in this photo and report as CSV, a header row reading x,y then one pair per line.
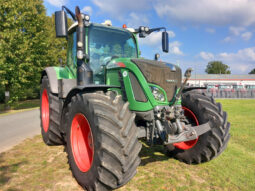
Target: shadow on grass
x,y
151,154
7,171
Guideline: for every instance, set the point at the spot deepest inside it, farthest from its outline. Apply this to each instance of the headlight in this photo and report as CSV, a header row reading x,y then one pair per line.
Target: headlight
x,y
157,93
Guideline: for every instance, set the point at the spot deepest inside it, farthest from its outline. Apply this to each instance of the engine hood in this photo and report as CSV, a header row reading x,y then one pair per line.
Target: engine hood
x,y
166,75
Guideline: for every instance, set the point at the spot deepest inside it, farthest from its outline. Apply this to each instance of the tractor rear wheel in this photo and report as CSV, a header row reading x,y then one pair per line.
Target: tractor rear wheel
x,y
102,141
200,109
50,115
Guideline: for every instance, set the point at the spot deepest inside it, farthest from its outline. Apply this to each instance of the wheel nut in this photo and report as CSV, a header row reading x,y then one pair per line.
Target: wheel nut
x,y
192,133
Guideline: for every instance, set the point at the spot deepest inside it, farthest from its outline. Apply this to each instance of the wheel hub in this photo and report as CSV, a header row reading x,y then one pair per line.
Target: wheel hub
x,y
45,110
82,142
188,144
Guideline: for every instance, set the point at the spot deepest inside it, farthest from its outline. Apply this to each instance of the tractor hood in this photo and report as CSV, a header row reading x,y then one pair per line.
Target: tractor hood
x,y
166,75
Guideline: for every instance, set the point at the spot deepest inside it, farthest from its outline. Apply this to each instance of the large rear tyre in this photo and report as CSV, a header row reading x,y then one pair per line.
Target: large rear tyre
x,y
200,109
49,115
102,142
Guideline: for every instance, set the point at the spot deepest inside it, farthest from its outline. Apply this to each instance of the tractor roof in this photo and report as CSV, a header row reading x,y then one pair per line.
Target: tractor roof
x,y
75,24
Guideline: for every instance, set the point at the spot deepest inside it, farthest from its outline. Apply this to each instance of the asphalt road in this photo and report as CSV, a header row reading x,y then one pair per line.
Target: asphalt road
x,y
16,127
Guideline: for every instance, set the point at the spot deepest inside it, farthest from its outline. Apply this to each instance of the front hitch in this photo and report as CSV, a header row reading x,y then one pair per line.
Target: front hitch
x,y
191,133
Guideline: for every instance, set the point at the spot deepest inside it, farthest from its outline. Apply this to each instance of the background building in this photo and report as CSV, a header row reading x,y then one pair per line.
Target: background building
x,y
223,81
225,85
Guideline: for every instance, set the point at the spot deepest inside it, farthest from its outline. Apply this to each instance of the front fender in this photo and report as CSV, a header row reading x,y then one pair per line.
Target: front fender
x,y
53,80
86,89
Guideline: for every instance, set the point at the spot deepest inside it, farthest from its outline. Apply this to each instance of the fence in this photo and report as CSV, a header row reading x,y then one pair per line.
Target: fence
x,y
230,93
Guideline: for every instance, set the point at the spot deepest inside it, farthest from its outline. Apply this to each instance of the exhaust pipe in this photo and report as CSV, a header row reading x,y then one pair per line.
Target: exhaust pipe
x,y
84,72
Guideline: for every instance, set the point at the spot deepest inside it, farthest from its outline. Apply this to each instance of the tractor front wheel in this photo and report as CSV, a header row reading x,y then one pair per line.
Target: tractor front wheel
x,y
200,109
49,112
102,142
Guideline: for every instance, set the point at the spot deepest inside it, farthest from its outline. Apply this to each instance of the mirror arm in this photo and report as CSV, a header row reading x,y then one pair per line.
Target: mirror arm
x,y
151,30
156,29
70,12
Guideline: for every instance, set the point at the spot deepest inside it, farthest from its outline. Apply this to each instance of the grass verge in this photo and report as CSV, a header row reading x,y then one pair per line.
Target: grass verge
x,y
21,105
34,166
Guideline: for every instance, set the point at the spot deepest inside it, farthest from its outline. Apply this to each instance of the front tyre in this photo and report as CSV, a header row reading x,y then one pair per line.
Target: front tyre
x,y
50,115
200,109
102,143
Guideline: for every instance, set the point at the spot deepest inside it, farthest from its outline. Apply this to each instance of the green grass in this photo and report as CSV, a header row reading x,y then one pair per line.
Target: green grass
x,y
21,105
34,166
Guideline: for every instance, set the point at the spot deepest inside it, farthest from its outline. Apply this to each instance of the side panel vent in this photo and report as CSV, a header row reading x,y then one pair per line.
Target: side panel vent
x,y
137,89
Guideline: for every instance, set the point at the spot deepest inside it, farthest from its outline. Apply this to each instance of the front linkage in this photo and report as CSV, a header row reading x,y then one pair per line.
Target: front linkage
x,y
171,125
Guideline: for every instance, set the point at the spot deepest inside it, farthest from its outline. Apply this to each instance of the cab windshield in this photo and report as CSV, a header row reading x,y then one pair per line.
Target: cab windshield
x,y
106,43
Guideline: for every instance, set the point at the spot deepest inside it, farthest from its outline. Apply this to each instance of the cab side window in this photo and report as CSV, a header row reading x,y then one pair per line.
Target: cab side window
x,y
71,53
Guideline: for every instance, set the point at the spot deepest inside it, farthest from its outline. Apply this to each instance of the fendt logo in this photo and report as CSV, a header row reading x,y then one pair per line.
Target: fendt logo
x,y
171,81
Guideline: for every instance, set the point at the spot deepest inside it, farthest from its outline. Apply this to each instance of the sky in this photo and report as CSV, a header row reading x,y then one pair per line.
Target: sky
x,y
199,31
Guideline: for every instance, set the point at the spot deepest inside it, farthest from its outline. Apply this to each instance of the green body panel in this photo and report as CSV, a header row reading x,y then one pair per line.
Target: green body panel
x,y
113,73
113,79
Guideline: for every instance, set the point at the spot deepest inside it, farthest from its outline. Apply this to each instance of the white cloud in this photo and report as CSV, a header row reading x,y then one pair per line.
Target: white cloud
x,y
174,48
154,39
247,54
236,30
171,34
87,10
119,8
135,20
210,30
57,3
227,39
213,12
216,12
206,55
246,36
240,62
131,12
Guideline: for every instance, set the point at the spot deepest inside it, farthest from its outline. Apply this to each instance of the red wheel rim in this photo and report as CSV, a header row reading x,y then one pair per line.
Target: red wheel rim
x,y
45,111
82,142
188,144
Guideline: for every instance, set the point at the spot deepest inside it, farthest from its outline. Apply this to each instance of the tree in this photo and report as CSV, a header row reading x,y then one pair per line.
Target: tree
x,y
252,72
22,50
27,46
217,67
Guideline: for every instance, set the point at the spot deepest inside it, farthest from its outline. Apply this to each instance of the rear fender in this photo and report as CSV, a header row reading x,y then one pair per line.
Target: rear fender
x,y
186,89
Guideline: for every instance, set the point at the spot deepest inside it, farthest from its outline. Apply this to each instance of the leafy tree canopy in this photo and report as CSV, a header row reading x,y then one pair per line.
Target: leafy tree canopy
x,y
252,72
217,67
27,46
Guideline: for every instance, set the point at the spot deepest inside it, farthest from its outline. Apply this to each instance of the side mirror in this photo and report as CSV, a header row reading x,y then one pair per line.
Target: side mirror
x,y
61,24
165,42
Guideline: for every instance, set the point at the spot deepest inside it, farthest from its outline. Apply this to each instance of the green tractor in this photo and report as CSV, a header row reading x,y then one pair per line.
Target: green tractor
x,y
106,98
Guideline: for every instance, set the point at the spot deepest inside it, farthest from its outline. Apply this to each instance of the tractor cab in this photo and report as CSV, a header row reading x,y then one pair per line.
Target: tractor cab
x,y
106,43
103,43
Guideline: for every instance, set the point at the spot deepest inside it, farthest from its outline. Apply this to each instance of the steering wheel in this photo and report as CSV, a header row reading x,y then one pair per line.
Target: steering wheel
x,y
109,58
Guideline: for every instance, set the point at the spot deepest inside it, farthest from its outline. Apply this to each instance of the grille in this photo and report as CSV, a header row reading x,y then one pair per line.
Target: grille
x,y
160,74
